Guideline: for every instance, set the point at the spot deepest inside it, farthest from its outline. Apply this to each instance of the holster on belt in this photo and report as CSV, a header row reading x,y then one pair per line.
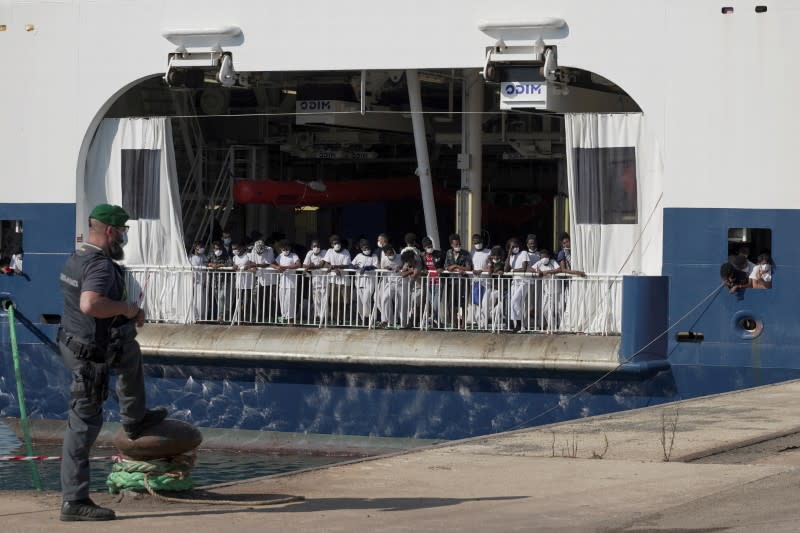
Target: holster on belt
x,y
90,378
81,349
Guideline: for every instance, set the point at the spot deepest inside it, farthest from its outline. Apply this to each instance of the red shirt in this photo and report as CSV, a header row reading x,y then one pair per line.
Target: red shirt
x,y
431,266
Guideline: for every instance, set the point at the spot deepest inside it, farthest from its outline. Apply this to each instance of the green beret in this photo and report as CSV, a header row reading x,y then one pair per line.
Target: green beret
x,y
113,215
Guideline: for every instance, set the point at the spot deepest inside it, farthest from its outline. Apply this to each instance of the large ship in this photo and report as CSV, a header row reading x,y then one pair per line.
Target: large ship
x,y
654,133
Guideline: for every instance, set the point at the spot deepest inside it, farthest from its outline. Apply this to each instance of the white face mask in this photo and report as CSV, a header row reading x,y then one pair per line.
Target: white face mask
x,y
218,253
515,250
380,245
201,251
366,251
337,246
428,250
315,249
479,246
285,253
456,249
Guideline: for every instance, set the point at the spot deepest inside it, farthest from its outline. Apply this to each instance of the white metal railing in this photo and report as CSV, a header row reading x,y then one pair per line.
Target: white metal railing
x,y
380,299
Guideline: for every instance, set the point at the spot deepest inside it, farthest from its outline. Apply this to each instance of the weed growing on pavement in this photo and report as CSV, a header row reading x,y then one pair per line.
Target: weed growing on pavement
x,y
668,427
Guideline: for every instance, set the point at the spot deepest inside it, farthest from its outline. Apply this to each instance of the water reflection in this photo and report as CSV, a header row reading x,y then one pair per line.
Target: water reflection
x,y
382,402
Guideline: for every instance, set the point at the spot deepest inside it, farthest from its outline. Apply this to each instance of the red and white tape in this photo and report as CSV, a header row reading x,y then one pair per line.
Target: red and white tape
x,y
7,458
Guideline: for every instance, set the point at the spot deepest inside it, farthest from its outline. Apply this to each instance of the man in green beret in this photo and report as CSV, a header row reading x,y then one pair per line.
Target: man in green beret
x,y
98,333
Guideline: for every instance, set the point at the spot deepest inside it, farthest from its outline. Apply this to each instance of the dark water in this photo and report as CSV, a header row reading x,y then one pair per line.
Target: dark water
x,y
212,466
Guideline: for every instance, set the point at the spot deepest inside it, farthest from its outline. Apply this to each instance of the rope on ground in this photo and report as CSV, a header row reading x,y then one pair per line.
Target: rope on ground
x,y
170,475
626,361
248,503
162,474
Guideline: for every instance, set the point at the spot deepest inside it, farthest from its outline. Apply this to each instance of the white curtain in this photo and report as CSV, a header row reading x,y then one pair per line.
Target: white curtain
x,y
131,162
614,171
615,201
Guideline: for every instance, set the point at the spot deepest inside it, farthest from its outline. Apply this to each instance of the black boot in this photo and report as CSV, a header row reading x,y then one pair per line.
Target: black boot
x,y
151,418
85,511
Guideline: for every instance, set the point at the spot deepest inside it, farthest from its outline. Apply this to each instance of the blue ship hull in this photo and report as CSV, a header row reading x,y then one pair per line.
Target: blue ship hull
x,y
436,403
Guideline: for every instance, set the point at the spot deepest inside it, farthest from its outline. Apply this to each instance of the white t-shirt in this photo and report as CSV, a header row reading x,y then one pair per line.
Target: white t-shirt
x,y
545,265
288,277
480,260
266,257
314,260
393,265
762,272
244,279
334,258
516,261
362,261
198,261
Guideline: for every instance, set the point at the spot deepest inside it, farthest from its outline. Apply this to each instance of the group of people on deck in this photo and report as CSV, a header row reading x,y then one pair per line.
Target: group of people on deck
x,y
378,285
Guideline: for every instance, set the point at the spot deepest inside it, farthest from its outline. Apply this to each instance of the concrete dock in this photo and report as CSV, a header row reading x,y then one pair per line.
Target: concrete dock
x,y
733,466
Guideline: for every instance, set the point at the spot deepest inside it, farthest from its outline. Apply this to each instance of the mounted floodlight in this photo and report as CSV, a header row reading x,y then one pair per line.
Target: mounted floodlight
x,y
545,23
529,51
210,37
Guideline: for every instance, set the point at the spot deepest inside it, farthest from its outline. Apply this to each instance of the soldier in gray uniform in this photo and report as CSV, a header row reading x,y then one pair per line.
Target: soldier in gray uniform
x,y
98,333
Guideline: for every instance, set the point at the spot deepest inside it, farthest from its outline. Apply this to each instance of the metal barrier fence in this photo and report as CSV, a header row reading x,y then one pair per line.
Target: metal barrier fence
x,y
380,299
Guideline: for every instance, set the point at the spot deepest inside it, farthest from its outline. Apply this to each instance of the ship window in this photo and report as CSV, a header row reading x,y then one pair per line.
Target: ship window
x,y
752,241
605,185
11,246
141,183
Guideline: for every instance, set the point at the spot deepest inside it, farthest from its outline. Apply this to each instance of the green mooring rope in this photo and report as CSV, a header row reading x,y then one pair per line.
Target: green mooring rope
x,y
23,413
160,475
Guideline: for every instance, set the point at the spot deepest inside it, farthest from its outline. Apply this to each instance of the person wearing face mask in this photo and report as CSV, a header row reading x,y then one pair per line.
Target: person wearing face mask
x,y
496,290
480,262
517,265
366,263
198,261
266,294
457,261
534,295
314,264
227,243
245,282
564,258
389,287
219,264
287,264
337,260
550,288
432,264
381,242
98,333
